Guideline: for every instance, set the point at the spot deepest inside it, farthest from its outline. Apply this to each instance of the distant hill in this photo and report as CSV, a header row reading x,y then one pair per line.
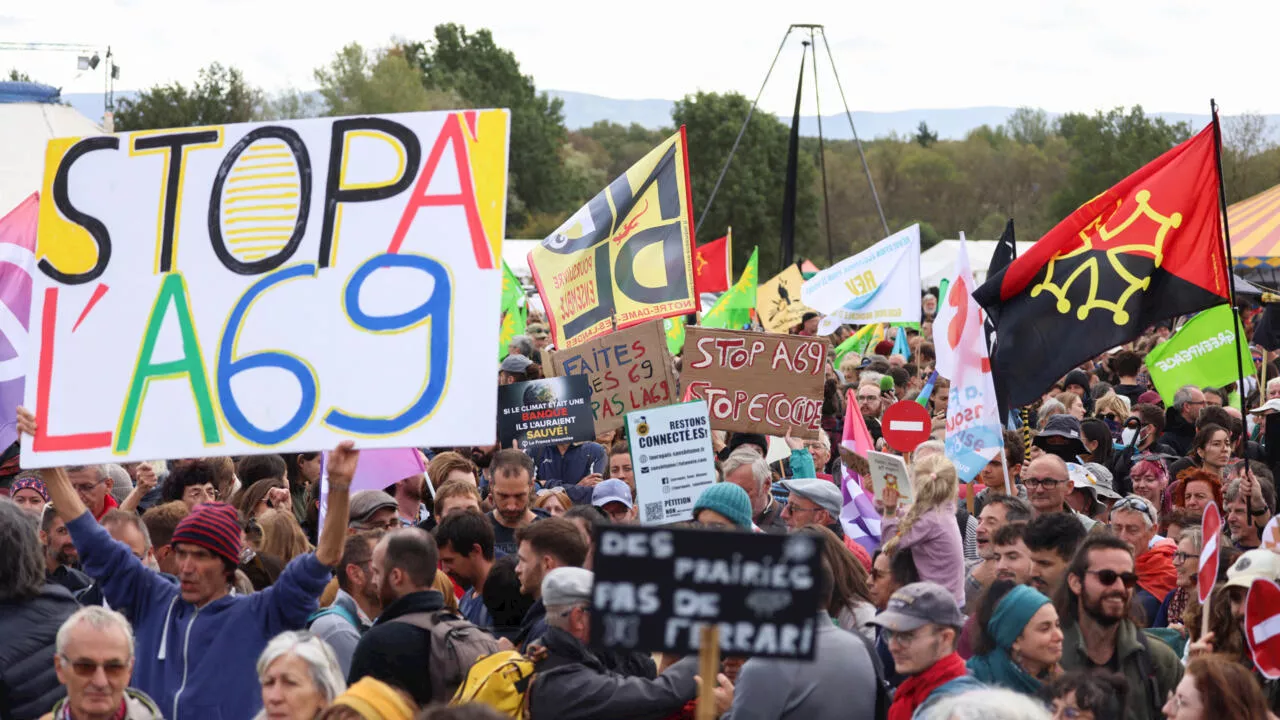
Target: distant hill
x,y
582,110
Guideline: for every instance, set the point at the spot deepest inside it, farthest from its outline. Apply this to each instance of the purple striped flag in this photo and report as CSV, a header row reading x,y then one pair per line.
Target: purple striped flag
x,y
858,515
17,265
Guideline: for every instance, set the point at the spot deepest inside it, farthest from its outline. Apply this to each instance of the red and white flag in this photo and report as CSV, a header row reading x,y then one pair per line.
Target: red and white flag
x,y
1210,530
1262,626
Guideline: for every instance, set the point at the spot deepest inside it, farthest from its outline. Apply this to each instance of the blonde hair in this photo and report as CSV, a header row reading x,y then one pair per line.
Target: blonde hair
x,y
935,485
1112,403
1068,400
281,535
445,586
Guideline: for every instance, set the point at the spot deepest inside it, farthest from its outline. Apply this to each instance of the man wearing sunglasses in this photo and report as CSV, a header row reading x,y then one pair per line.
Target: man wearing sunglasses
x,y
1133,519
1048,482
94,661
1097,632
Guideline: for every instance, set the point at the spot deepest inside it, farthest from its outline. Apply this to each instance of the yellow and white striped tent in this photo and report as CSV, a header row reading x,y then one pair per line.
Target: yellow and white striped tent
x,y
1255,232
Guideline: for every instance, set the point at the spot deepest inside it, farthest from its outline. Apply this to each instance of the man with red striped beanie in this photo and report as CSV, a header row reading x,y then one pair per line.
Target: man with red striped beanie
x,y
197,642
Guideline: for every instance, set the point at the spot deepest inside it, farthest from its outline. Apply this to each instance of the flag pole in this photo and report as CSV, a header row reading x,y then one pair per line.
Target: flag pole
x,y
1231,285
1226,237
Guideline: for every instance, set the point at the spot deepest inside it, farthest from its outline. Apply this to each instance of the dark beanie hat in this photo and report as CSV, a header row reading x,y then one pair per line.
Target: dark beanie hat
x,y
214,527
740,439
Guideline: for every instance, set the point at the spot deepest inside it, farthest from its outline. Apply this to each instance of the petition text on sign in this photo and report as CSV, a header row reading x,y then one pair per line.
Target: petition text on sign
x,y
655,589
673,460
267,287
757,382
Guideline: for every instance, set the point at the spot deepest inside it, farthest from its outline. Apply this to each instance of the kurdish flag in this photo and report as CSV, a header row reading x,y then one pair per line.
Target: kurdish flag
x,y
733,310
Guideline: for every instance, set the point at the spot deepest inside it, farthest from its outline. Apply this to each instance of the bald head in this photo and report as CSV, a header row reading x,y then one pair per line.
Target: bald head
x,y
1047,483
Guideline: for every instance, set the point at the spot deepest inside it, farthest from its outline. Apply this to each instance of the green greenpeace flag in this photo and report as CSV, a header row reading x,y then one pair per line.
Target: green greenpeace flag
x,y
733,310
1201,353
513,310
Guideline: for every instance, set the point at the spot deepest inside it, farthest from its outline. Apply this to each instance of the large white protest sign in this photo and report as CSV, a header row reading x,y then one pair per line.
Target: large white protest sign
x,y
879,284
673,460
268,287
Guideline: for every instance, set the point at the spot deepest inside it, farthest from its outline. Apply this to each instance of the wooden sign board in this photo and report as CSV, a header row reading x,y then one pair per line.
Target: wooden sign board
x,y
757,382
627,370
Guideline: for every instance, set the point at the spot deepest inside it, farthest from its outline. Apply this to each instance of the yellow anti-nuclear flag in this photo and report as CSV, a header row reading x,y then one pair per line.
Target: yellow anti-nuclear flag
x,y
626,256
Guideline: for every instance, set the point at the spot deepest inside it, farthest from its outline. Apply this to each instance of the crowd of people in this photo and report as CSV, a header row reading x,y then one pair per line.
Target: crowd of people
x,y
1061,582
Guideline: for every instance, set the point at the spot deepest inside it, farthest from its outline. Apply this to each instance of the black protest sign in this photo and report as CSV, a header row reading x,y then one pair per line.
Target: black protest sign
x,y
545,412
656,588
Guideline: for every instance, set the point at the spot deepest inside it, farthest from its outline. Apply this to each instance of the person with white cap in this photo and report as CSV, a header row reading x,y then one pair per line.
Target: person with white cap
x,y
1251,565
572,684
1089,491
613,497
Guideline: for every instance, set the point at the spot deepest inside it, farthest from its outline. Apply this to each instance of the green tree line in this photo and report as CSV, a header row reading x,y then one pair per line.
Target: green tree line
x,y
1031,168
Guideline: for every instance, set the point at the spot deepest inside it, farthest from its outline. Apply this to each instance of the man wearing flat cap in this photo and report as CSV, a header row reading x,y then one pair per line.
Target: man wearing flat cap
x,y
812,501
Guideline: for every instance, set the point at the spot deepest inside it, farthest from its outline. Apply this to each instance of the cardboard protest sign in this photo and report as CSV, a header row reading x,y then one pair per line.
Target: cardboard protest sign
x,y
757,382
890,471
1201,353
627,370
879,284
268,287
672,458
626,256
778,301
656,588
545,412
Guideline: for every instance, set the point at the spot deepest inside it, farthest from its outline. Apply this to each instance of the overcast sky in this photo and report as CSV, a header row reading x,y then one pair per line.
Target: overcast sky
x,y
1168,55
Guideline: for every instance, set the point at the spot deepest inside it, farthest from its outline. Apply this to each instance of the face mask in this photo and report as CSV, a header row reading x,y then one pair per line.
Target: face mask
x,y
1112,425
1128,435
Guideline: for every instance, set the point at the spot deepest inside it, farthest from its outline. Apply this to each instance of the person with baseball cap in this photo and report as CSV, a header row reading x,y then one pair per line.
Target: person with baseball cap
x,y
613,497
920,624
197,643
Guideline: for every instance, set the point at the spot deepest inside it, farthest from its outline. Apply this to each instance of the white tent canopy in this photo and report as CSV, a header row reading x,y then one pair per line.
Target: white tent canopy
x,y
939,261
31,115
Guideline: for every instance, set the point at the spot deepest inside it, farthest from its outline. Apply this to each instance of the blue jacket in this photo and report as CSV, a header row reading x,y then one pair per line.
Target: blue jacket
x,y
556,470
962,684
197,663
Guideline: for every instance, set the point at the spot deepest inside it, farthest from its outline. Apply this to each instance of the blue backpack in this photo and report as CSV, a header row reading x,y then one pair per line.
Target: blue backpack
x,y
334,609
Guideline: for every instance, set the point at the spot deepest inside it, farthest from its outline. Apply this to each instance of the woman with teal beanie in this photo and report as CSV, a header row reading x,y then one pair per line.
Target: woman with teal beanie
x,y
724,505
1017,641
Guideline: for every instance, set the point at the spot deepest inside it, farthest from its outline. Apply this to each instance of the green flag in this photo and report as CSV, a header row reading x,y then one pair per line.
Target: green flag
x,y
733,310
513,310
1201,353
674,327
857,342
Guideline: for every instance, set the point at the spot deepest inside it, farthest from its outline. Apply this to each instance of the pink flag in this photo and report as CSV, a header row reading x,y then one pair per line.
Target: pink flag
x,y
376,469
17,264
857,438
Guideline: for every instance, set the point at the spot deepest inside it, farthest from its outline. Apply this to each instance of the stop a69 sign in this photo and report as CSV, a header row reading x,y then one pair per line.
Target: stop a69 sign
x,y
905,425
